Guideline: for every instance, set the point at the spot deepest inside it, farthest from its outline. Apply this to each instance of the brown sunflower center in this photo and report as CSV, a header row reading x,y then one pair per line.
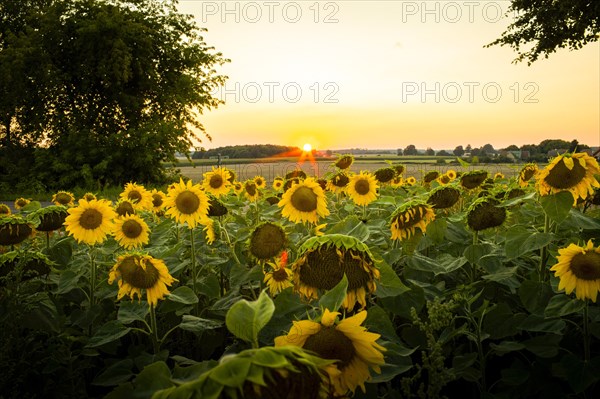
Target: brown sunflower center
x,y
340,180
280,275
90,219
304,199
63,198
125,208
586,266
4,210
131,229
362,187
216,181
21,202
259,182
135,196
251,189
325,268
330,343
134,275
157,200
267,241
527,174
187,202
562,178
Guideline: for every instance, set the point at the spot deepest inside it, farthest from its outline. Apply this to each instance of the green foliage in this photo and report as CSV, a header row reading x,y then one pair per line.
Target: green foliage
x,y
249,151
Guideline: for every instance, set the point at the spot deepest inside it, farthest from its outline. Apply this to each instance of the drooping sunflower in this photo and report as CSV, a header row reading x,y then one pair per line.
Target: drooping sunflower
x,y
304,202
569,172
346,341
251,191
124,207
210,230
473,179
430,176
131,231
278,184
280,277
260,182
89,196
323,261
410,216
290,182
187,203
484,213
362,188
216,207
14,229
579,269
399,169
4,210
443,179
295,174
51,217
385,175
344,161
24,265
63,198
90,221
267,241
232,175
138,195
158,200
528,171
136,271
443,197
21,202
217,182
338,182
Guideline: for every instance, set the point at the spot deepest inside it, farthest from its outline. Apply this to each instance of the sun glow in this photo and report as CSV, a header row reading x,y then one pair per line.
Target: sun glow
x,y
307,147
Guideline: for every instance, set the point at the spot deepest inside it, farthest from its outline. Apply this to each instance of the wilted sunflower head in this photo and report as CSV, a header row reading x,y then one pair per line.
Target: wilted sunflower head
x,y
399,169
443,179
251,190
51,217
4,210
411,215
137,195
267,241
484,213
488,184
131,231
272,200
295,174
21,202
136,271
232,175
528,171
338,182
14,229
289,183
216,207
570,172
63,198
24,265
510,193
323,261
344,161
124,207
278,184
304,202
430,176
443,197
579,269
362,188
385,175
473,179
216,182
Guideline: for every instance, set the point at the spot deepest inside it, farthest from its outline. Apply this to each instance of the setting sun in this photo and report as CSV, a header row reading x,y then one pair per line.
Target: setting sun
x,y
307,147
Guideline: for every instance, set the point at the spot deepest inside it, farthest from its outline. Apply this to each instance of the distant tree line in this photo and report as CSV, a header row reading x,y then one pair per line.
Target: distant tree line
x,y
249,151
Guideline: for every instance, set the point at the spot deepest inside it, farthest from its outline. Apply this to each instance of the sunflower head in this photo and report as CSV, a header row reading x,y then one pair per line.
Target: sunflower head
x,y
484,213
528,171
124,207
399,169
136,271
158,201
412,215
295,174
90,222
348,343
323,261
260,182
63,198
4,210
89,196
137,195
344,161
498,176
187,203
14,229
267,241
238,187
131,231
411,180
385,175
304,202
510,193
443,179
278,184
451,173
430,176
280,277
216,207
362,188
579,269
232,175
289,183
24,265
338,182
216,182
251,190
443,197
570,172
51,217
473,179
21,202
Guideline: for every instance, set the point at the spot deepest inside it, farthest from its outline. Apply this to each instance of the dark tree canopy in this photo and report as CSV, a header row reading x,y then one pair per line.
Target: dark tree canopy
x,y
543,26
99,92
410,150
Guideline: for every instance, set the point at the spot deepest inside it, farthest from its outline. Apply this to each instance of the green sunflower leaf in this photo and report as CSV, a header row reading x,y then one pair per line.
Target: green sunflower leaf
x,y
111,331
562,305
557,206
246,319
132,311
183,294
197,324
334,298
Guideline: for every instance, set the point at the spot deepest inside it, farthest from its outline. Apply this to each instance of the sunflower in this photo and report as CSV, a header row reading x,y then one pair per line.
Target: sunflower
x,y
51,217
569,172
280,277
63,198
398,168
410,216
136,271
267,241
474,179
187,203
397,181
232,175
304,202
344,161
451,173
338,182
210,230
431,176
158,200
443,179
260,182
528,171
411,181
14,229
238,187
217,182
89,196
4,210
277,184
138,195
323,261
295,174
216,207
385,175
579,269
90,221
498,176
484,213
443,197
131,231
21,202
124,207
362,188
290,182
346,341
250,190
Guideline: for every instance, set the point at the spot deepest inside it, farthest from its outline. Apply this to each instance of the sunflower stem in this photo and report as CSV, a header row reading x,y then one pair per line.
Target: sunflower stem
x,y
154,332
193,259
47,240
475,237
586,332
544,250
92,277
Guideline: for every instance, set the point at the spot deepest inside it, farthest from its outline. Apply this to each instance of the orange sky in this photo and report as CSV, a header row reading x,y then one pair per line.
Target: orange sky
x,y
385,74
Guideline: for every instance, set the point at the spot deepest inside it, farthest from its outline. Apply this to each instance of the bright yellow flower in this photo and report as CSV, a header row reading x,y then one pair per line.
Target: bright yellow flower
x,y
91,221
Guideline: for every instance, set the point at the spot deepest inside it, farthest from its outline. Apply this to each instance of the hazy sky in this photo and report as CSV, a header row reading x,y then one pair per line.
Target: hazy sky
x,y
385,74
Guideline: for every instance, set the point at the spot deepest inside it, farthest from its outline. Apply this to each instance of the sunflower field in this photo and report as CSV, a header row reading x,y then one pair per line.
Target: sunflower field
x,y
366,285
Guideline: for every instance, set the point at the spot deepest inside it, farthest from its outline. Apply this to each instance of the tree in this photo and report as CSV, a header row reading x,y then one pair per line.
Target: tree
x,y
429,151
399,151
543,26
120,92
459,151
442,153
488,149
512,147
410,150
468,148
